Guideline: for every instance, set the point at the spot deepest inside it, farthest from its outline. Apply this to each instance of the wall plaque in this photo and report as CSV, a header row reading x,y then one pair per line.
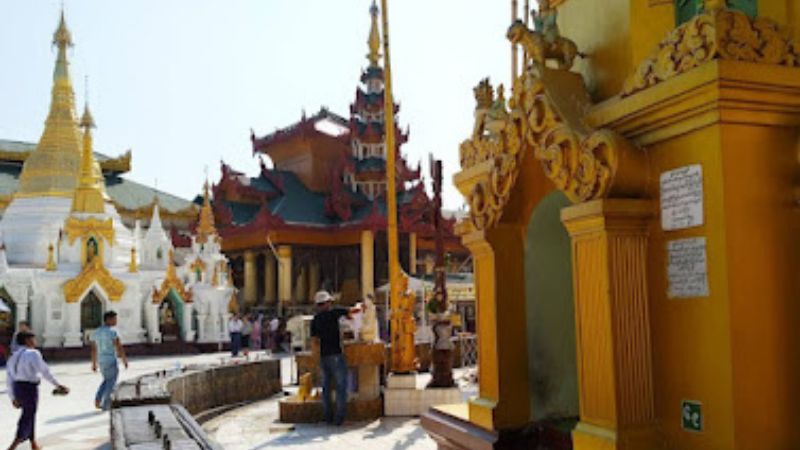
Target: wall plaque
x,y
687,268
682,198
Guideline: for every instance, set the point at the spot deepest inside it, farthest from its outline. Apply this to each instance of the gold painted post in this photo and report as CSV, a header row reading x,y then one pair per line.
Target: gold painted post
x,y
395,273
615,370
250,288
514,48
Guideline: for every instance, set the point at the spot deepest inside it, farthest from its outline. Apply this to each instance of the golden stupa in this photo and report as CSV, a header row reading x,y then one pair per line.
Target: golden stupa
x,y
53,168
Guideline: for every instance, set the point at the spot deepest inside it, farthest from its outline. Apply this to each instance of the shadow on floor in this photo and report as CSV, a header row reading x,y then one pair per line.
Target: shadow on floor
x,y
74,417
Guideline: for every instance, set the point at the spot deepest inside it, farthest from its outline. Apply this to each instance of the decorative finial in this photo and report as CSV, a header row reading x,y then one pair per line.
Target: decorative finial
x,y
62,37
51,260
374,41
133,267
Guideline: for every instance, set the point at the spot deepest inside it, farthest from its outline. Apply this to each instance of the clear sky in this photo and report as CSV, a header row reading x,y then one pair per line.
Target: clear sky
x,y
182,82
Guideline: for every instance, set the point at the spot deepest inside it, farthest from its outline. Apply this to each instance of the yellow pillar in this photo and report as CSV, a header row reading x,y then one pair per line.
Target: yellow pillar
x,y
367,262
412,253
270,282
503,400
250,284
285,274
313,279
609,254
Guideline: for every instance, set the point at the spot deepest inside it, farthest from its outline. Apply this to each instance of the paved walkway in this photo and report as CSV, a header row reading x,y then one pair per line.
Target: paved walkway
x,y
72,422
253,428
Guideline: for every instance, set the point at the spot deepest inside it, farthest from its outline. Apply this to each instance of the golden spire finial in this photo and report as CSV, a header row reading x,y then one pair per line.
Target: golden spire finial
x,y
51,260
53,168
62,37
374,38
205,225
133,267
89,196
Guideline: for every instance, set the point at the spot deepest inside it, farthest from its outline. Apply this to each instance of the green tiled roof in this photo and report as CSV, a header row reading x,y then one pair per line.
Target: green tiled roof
x,y
370,164
299,206
132,195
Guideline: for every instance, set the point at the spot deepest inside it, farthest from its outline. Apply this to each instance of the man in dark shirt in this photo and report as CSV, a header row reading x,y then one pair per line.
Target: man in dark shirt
x,y
325,330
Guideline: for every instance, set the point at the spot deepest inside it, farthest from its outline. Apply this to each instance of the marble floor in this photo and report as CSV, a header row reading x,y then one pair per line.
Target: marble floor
x,y
72,423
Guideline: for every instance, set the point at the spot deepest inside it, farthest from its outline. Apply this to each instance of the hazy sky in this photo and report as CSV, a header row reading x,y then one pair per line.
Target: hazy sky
x,y
182,82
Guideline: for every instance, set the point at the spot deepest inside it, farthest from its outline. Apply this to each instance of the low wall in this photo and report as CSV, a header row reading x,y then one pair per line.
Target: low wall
x,y
193,389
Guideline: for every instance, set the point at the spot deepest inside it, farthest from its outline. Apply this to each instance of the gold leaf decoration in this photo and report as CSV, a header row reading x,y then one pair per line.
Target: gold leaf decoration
x,y
719,34
91,274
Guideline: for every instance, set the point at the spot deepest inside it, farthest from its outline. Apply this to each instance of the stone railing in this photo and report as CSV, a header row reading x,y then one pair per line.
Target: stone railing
x,y
146,409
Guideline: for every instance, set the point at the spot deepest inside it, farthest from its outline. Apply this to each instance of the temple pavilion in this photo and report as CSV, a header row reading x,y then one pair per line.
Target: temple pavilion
x,y
316,217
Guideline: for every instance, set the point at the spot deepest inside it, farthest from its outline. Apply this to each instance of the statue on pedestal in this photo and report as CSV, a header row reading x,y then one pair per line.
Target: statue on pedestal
x,y
369,326
545,41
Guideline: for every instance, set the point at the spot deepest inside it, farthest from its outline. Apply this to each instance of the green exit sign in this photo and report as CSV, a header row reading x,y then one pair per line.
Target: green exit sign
x,y
692,416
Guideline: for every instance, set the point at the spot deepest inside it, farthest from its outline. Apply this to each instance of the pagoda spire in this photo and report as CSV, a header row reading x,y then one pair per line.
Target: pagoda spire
x,y
90,193
205,225
374,41
53,168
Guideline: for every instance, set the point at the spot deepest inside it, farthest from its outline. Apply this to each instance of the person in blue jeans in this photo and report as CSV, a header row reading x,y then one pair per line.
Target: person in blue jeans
x,y
106,347
326,335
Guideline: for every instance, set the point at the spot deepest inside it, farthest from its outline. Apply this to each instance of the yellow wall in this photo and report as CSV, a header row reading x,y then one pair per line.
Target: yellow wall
x,y
691,342
763,261
600,28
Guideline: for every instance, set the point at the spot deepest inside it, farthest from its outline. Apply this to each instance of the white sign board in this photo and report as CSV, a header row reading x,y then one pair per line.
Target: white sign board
x,y
682,198
687,268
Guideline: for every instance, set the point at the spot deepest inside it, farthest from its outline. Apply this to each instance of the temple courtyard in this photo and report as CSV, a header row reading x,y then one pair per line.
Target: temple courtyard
x,y
72,423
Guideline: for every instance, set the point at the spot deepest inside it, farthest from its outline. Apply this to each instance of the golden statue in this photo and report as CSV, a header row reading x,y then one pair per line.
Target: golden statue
x,y
305,390
404,359
545,42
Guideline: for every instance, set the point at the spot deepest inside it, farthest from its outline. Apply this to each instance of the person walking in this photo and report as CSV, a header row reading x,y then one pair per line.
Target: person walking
x,y
23,326
23,373
235,329
256,333
247,328
327,337
106,348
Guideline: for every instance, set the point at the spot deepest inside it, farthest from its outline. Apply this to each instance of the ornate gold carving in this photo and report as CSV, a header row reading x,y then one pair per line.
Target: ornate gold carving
x,y
498,139
93,273
171,281
120,164
83,228
718,34
544,115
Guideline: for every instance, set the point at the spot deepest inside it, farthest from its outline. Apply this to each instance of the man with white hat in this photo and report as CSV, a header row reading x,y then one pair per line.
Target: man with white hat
x,y
325,332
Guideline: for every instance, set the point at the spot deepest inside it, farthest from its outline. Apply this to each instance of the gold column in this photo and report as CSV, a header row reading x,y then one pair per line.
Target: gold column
x,y
367,263
503,400
313,279
514,48
285,274
412,253
270,282
609,254
250,283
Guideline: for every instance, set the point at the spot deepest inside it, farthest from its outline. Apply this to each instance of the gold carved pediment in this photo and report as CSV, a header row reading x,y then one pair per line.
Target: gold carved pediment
x,y
94,273
545,116
171,281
